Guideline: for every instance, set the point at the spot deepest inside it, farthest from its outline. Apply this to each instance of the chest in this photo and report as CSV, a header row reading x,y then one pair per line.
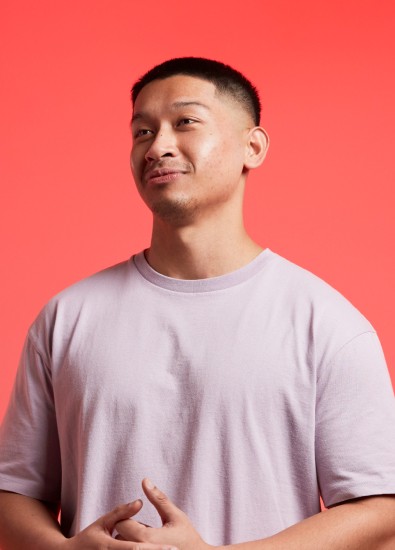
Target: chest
x,y
186,358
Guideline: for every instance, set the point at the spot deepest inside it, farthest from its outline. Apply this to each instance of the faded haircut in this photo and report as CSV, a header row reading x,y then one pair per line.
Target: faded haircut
x,y
227,80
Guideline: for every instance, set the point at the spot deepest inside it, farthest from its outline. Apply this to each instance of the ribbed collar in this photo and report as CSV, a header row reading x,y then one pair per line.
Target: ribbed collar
x,y
202,285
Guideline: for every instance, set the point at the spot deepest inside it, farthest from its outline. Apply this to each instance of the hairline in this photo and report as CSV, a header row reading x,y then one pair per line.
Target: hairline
x,y
218,90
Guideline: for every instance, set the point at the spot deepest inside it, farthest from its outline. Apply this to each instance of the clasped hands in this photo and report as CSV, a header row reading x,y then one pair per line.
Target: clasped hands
x,y
176,533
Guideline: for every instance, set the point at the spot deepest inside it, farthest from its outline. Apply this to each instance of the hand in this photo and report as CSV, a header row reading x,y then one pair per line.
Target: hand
x,y
177,530
99,534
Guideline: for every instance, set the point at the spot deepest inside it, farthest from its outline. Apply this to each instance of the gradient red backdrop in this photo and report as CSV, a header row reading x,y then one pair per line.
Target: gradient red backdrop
x,y
324,198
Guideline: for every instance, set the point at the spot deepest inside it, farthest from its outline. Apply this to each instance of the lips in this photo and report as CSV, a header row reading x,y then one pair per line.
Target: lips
x,y
161,172
163,175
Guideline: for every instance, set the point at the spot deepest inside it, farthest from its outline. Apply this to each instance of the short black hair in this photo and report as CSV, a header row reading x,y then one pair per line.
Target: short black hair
x,y
226,79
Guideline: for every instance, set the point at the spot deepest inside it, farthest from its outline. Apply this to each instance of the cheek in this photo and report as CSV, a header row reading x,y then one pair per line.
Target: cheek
x,y
225,155
136,162
205,150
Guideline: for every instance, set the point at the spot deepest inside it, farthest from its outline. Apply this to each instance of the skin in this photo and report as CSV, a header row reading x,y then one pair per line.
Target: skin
x,y
198,232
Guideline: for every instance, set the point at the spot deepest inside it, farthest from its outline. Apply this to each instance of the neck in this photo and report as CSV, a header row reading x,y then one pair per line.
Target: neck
x,y
201,249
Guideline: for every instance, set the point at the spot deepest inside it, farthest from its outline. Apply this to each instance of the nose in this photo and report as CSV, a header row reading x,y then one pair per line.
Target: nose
x,y
163,145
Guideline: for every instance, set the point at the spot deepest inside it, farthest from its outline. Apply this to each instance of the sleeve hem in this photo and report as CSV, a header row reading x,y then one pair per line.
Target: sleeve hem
x,y
26,489
358,492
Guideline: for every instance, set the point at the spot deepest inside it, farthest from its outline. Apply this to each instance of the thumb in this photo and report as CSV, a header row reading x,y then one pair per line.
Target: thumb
x,y
121,512
166,509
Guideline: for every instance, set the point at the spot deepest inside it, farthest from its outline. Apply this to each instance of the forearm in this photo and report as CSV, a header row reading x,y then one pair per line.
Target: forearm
x,y
27,523
357,525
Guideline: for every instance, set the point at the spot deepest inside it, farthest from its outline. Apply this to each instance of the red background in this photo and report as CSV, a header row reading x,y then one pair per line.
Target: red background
x,y
324,198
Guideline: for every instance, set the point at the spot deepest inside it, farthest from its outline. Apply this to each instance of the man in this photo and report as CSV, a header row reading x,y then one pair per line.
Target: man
x,y
240,383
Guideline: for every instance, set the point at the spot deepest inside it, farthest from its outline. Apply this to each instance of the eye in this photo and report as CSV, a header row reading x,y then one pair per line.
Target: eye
x,y
142,132
185,121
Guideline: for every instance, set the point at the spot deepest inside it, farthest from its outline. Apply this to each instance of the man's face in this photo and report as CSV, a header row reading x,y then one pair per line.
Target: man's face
x,y
189,147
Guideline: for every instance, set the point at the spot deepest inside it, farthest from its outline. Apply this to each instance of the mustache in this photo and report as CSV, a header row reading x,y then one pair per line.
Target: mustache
x,y
166,165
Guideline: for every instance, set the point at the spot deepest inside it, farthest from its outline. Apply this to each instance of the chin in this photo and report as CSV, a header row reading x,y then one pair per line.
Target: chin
x,y
176,212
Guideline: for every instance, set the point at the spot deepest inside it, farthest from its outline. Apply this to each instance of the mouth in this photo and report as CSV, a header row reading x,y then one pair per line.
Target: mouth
x,y
162,175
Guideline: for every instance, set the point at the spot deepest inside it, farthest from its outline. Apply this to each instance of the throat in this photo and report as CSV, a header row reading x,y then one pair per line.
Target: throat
x,y
184,257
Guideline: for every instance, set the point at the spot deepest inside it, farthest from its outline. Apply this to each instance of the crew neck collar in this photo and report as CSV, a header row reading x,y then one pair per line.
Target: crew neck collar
x,y
202,285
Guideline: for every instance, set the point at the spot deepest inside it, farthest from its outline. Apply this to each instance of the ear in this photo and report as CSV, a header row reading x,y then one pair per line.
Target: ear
x,y
256,149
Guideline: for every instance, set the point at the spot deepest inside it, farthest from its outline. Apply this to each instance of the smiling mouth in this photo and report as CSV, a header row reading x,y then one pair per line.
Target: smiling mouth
x,y
163,175
166,178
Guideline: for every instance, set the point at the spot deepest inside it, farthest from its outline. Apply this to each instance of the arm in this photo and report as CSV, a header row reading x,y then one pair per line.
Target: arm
x,y
29,523
360,524
38,528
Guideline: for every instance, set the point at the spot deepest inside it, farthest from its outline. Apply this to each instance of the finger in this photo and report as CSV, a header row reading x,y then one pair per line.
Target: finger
x,y
133,530
148,546
166,509
142,546
139,522
121,512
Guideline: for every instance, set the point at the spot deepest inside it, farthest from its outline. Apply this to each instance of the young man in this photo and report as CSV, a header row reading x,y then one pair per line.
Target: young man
x,y
243,385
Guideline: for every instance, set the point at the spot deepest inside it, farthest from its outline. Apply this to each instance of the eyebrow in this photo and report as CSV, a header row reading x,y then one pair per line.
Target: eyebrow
x,y
175,105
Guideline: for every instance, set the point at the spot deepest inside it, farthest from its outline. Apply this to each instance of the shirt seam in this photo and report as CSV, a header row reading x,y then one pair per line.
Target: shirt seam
x,y
328,364
39,353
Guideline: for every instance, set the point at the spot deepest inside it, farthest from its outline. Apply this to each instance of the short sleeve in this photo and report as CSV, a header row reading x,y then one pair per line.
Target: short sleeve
x,y
29,443
355,423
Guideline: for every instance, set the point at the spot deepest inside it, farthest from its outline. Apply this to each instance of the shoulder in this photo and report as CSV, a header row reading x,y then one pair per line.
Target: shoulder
x,y
304,289
88,297
330,319
110,280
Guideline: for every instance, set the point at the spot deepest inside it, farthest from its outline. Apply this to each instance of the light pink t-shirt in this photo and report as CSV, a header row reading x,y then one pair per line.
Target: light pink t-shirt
x,y
244,397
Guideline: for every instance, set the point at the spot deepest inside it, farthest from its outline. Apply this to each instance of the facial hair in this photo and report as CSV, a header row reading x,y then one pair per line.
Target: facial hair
x,y
176,211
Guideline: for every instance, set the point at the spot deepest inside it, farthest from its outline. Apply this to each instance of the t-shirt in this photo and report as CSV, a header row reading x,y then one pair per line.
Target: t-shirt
x,y
244,397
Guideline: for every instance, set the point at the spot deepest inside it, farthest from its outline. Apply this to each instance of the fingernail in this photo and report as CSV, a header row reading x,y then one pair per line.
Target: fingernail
x,y
150,485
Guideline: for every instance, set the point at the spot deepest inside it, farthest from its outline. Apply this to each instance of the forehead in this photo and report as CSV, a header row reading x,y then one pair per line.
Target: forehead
x,y
176,85
175,91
